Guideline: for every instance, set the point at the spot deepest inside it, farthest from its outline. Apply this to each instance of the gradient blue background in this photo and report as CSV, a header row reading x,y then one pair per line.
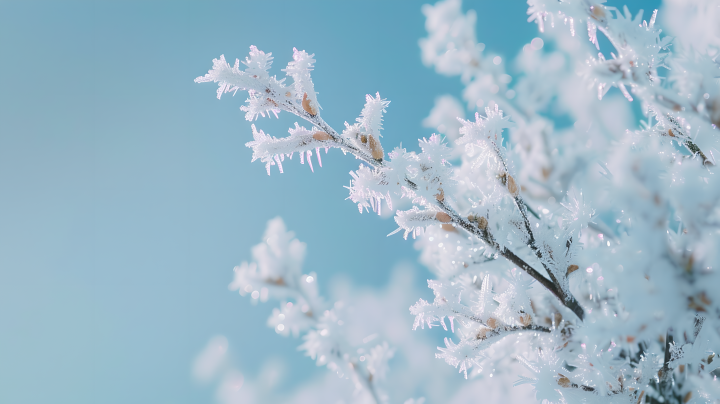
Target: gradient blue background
x,y
127,194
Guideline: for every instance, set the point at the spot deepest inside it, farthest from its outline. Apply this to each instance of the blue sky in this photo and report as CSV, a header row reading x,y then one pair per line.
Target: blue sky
x,y
127,194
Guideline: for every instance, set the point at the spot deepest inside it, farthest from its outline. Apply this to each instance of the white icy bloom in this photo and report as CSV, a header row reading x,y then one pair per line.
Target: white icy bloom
x,y
254,78
463,355
487,128
368,188
211,359
692,22
371,116
290,318
514,303
444,116
378,360
451,45
272,151
414,220
299,69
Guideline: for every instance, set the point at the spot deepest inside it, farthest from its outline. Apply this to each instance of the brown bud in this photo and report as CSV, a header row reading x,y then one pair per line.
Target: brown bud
x,y
512,187
492,323
309,105
598,12
557,318
630,339
546,172
321,136
443,217
687,397
670,133
482,222
440,196
375,148
525,320
681,368
363,139
448,227
571,269
288,94
481,333
563,381
471,218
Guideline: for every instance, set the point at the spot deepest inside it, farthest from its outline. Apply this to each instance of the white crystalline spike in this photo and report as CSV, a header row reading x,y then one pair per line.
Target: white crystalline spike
x,y
652,19
388,200
309,158
302,157
326,149
625,92
317,153
379,206
279,163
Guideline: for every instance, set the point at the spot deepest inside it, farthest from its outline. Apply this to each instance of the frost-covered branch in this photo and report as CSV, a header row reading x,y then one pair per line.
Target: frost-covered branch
x,y
418,177
276,273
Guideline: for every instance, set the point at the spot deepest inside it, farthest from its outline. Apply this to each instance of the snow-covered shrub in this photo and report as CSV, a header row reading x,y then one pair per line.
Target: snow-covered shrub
x,y
588,253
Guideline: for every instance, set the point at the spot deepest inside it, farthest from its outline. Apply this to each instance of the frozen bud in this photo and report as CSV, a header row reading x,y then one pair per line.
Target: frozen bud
x,y
481,333
598,12
681,368
492,323
375,148
482,222
308,105
512,186
525,320
687,397
670,133
440,196
558,318
571,269
288,94
443,217
563,381
322,136
471,218
448,227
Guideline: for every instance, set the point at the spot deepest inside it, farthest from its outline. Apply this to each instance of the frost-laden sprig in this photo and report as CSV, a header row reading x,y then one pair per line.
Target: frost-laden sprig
x,y
268,95
485,133
425,177
483,319
639,51
276,273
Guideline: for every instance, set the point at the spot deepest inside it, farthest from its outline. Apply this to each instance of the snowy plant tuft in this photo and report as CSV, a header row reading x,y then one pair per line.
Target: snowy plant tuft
x,y
586,252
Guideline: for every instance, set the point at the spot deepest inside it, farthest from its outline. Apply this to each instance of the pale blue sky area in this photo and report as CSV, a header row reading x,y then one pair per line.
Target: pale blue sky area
x,y
127,194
